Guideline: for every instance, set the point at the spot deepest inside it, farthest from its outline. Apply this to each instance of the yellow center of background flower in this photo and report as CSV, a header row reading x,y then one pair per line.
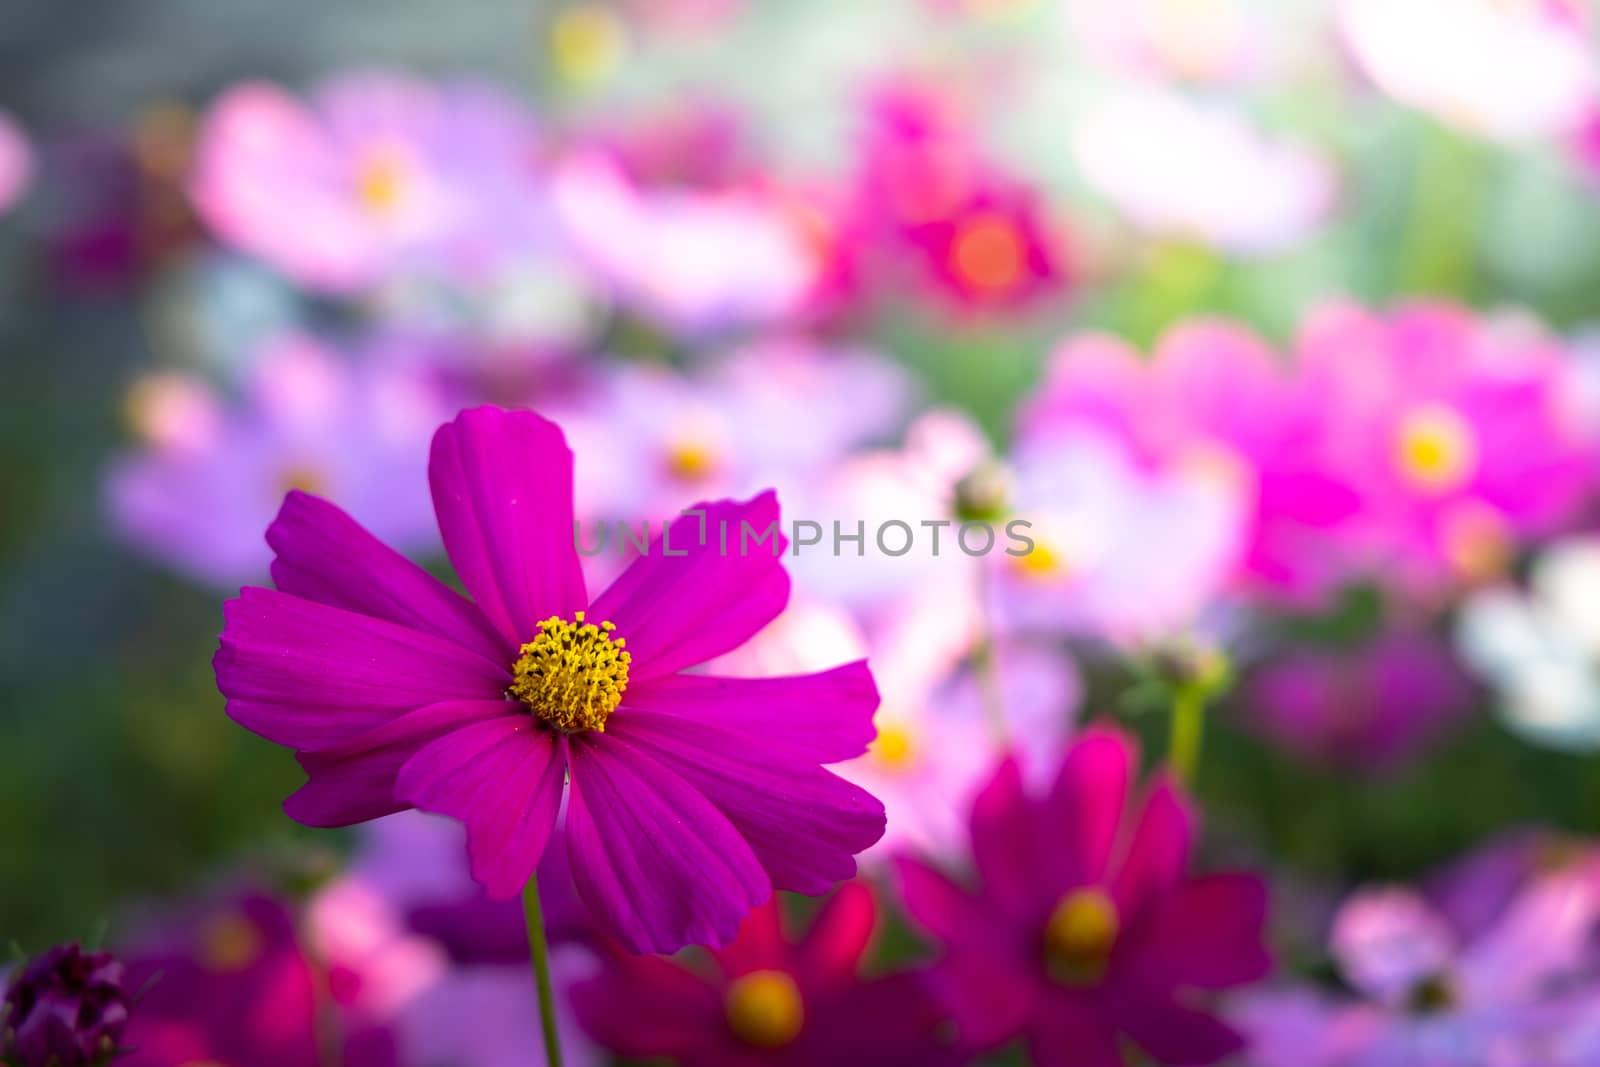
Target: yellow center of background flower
x,y
894,747
988,253
229,943
1437,449
1080,935
382,178
764,1009
573,675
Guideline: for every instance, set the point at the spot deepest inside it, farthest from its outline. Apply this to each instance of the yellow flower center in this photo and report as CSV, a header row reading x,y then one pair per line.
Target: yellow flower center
x,y
894,747
229,943
1041,564
988,253
764,1009
573,674
383,177
1080,935
690,461
1437,450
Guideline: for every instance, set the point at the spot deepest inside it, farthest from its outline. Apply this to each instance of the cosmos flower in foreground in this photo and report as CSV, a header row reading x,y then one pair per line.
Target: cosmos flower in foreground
x,y
691,797
1085,928
772,999
65,1007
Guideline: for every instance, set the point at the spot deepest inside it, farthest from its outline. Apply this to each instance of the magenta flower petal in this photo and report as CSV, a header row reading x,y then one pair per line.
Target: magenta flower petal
x,y
502,487
1178,1036
354,781
1005,848
1085,806
667,1007
660,866
831,951
941,907
308,675
677,611
824,717
804,823
325,555
1069,1035
1159,851
1207,933
503,779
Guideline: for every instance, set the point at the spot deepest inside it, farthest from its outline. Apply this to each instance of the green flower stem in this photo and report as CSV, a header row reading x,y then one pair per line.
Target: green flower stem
x,y
1187,731
540,954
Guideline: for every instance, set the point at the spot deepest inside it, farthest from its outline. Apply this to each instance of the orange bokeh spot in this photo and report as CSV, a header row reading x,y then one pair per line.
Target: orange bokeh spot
x,y
988,253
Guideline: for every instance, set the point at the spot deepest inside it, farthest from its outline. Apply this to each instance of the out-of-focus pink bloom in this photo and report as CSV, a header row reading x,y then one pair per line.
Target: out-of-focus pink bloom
x,y
1461,435
777,412
211,474
937,741
1241,189
374,176
931,203
235,983
691,261
1209,40
16,162
772,998
1518,991
1104,560
1213,399
1546,76
1368,708
1086,930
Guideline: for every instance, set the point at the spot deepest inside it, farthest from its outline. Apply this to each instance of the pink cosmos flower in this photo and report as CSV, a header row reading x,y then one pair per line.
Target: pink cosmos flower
x,y
16,162
694,262
210,474
1213,398
1084,928
1369,708
688,798
772,998
1519,990
1242,190
377,174
235,984
1541,47
1463,436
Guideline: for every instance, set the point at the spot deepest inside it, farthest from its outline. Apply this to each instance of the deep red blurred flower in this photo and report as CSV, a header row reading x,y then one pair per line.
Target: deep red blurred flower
x,y
689,798
64,1008
772,999
1085,929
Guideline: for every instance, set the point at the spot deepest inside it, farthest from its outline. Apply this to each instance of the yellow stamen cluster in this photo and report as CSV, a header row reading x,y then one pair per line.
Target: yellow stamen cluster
x,y
1080,935
1437,449
573,674
764,1009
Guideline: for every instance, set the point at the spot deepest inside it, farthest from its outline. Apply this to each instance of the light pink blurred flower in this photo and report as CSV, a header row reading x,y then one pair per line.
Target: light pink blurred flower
x,y
16,162
1436,55
693,261
1241,189
1461,434
375,175
210,474
1207,40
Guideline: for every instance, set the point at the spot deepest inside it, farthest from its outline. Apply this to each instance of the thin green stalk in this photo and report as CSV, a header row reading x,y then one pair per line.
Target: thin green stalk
x,y
540,953
1187,730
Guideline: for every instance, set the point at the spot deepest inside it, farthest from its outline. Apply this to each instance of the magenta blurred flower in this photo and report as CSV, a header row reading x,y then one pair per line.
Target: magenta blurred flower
x,y
1085,928
1367,708
691,797
1213,400
1461,434
64,1008
770,998
235,983
692,261
1541,48
1519,990
210,475
1242,190
16,162
375,175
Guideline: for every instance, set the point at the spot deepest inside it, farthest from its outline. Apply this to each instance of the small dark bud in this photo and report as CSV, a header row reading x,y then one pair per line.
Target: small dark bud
x,y
64,1008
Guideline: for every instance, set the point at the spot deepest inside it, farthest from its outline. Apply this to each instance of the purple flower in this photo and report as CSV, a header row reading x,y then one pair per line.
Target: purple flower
x,y
16,163
64,1008
1084,928
771,998
689,798
1369,708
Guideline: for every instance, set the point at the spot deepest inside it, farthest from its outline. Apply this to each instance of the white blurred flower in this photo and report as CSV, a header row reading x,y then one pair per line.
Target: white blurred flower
x,y
1540,647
